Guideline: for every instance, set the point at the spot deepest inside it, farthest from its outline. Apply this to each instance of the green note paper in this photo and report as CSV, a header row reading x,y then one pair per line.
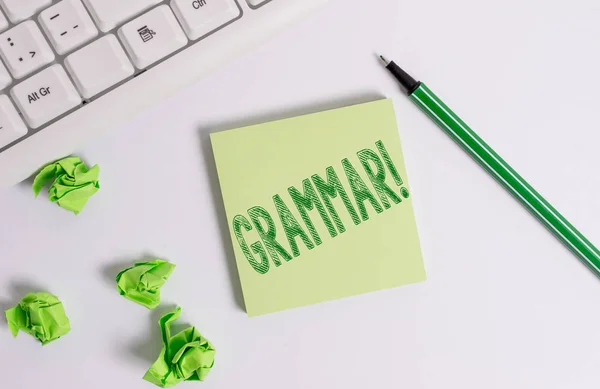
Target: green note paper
x,y
71,183
142,282
318,207
41,315
186,356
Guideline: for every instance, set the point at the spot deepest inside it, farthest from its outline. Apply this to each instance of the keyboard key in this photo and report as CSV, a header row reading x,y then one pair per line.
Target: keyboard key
x,y
67,25
11,124
98,66
45,96
19,10
200,17
5,78
152,36
24,49
3,22
108,14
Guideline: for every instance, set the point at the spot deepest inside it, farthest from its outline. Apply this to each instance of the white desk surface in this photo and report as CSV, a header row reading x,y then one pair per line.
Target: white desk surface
x,y
504,306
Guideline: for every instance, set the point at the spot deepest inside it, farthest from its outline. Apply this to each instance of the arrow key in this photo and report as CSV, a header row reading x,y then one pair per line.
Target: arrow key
x,y
24,49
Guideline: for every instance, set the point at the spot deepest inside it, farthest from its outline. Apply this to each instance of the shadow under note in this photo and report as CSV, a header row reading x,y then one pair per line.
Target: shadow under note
x,y
211,169
147,348
28,182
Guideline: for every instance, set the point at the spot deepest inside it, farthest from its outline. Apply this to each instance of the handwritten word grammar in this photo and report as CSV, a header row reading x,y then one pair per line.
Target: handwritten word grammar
x,y
276,239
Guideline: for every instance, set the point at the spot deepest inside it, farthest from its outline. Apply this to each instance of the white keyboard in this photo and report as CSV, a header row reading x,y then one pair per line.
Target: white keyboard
x,y
72,69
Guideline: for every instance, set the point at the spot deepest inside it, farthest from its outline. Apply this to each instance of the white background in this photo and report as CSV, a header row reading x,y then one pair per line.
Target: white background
x,y
504,306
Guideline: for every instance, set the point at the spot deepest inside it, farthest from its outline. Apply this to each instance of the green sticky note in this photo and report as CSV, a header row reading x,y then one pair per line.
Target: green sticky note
x,y
186,356
71,183
40,315
318,207
142,282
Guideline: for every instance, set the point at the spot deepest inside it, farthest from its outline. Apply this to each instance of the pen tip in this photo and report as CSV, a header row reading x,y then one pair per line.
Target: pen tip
x,y
385,61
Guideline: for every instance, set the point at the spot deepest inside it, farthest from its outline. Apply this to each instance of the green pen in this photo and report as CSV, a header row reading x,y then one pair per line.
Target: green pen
x,y
458,130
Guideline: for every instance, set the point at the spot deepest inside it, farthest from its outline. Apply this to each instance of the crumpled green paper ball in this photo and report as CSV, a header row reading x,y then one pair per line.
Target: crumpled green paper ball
x,y
40,315
72,183
187,356
142,282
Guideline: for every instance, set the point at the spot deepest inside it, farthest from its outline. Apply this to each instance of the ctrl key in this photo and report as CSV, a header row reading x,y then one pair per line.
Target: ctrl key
x,y
11,125
45,96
